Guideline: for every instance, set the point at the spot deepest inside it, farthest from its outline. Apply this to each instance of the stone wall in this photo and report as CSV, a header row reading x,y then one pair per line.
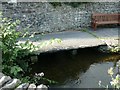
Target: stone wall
x,y
43,17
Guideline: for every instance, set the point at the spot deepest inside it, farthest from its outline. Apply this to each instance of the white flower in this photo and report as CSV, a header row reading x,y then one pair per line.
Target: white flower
x,y
114,82
117,77
118,63
41,74
107,86
99,83
36,74
110,71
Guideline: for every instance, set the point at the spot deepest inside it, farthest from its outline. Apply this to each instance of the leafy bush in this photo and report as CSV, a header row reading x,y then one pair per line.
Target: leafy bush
x,y
15,60
12,62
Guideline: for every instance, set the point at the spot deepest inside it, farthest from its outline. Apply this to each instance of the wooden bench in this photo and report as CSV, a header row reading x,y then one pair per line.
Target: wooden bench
x,y
102,19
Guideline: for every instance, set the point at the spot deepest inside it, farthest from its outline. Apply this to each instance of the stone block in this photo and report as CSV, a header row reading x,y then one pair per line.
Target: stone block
x,y
11,84
32,87
4,79
42,87
23,86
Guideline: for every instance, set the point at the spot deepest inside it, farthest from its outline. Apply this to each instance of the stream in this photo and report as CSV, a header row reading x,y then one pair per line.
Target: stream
x,y
82,68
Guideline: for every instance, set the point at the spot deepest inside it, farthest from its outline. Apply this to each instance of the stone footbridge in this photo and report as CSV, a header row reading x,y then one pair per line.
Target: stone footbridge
x,y
76,39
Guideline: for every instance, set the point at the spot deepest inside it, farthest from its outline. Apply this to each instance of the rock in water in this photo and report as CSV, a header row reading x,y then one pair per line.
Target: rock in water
x,y
4,79
32,87
1,75
104,49
74,52
11,84
23,86
42,87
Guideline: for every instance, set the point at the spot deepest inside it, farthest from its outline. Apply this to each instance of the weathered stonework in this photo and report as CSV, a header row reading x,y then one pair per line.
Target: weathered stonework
x,y
43,17
7,83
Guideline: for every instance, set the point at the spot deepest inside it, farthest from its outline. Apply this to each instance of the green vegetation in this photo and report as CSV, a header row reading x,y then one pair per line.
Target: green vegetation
x,y
115,77
115,49
93,34
15,60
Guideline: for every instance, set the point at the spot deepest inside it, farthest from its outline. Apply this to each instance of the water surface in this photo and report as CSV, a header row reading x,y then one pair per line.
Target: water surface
x,y
83,69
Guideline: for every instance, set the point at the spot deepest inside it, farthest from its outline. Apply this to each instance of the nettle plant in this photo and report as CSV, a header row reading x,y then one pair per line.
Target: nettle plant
x,y
15,60
12,53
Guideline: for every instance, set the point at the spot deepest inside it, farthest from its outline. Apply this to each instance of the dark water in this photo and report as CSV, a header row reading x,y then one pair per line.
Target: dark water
x,y
81,70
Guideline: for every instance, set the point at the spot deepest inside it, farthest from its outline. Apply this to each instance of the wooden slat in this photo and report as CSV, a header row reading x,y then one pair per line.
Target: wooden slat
x,y
99,18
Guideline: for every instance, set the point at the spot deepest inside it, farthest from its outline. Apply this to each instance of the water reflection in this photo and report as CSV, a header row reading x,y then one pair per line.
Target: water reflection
x,y
78,70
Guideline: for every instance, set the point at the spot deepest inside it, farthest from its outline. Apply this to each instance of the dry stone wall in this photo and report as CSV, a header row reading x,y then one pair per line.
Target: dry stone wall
x,y
43,17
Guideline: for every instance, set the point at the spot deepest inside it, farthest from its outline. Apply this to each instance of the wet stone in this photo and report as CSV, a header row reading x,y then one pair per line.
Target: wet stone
x,y
32,87
1,75
23,86
42,87
4,79
11,84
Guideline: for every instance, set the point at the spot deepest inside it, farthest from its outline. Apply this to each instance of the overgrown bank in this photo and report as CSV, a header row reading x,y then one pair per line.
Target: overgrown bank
x,y
15,57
